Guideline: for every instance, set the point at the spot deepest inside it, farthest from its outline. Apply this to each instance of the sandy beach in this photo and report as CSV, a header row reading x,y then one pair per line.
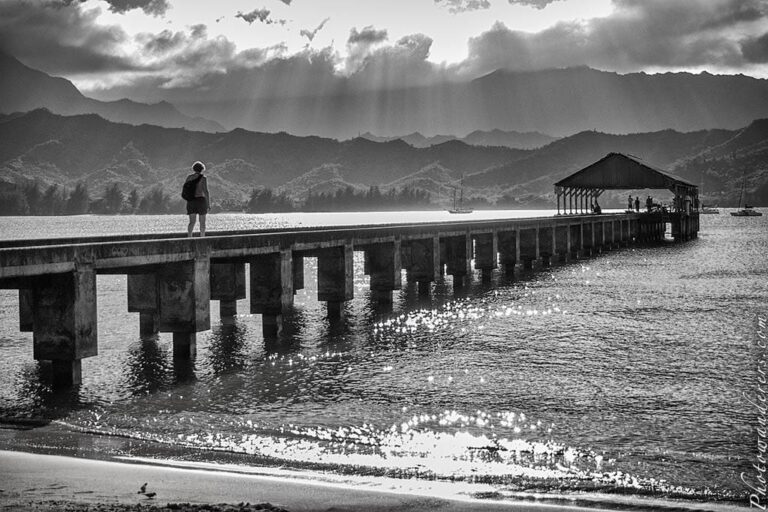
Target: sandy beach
x,y
51,482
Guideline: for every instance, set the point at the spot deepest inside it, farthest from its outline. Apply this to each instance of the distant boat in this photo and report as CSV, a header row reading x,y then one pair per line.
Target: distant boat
x,y
747,211
459,207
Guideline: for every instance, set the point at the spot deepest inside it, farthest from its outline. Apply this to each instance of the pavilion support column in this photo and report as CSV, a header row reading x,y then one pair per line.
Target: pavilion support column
x,y
384,264
335,278
486,254
422,262
227,286
458,258
184,296
64,322
508,251
529,248
143,299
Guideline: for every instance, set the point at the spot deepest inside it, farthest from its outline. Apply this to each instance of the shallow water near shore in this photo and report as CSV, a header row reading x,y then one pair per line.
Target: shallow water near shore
x,y
624,373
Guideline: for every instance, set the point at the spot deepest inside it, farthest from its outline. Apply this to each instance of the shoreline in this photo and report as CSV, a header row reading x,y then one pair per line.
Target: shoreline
x,y
45,482
31,480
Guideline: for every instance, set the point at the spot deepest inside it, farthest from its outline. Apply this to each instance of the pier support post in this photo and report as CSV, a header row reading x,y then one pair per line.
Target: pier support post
x,y
384,265
26,310
458,258
561,243
597,237
267,289
509,251
64,322
297,266
184,296
588,238
486,254
529,248
335,278
575,243
546,238
421,260
142,299
227,286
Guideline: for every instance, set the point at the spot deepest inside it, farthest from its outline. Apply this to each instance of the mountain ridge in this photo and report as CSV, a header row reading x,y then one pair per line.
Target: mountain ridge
x,y
23,88
66,150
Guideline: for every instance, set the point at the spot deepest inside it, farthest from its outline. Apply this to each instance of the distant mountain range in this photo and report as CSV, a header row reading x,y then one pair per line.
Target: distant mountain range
x,y
557,102
23,88
88,149
510,139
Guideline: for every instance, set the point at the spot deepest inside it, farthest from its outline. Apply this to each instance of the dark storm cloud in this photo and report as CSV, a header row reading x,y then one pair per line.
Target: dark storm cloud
x,y
60,38
261,15
755,49
368,35
639,34
184,56
310,34
456,6
153,7
257,14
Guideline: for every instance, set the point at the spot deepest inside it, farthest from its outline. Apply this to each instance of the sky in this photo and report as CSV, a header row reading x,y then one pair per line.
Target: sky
x,y
149,50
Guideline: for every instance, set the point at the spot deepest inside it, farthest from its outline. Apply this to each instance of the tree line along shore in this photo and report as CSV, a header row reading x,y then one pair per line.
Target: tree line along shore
x,y
36,199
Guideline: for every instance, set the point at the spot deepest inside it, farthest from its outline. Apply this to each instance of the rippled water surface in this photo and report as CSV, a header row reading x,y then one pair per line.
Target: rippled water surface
x,y
621,373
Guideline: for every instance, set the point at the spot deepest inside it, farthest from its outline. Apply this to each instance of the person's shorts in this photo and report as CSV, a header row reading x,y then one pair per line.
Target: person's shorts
x,y
198,205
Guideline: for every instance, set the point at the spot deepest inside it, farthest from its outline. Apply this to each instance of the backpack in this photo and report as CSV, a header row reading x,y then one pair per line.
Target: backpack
x,y
188,190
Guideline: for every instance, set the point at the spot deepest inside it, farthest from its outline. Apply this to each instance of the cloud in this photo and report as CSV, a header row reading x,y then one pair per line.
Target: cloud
x,y
456,6
60,38
151,7
538,4
368,35
310,34
755,49
261,15
639,34
257,14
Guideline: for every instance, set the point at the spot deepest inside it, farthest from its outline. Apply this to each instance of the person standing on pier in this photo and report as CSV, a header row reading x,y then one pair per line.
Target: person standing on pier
x,y
637,204
200,200
649,204
629,203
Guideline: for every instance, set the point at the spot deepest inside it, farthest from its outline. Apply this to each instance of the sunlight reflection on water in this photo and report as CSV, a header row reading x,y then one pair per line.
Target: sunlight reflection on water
x,y
624,371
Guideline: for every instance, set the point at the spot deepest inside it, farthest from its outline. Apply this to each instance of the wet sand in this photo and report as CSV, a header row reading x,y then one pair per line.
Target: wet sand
x,y
51,482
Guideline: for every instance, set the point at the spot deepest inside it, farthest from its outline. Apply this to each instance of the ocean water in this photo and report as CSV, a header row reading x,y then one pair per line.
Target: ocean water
x,y
625,374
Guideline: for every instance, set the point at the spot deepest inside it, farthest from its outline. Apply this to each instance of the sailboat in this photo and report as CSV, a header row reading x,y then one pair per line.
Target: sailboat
x,y
459,208
747,211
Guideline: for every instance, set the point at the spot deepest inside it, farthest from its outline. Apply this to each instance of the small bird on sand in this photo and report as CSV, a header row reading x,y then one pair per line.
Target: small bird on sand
x,y
142,489
150,495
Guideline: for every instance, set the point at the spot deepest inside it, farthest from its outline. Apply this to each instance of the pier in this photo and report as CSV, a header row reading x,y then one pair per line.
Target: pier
x,y
172,279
